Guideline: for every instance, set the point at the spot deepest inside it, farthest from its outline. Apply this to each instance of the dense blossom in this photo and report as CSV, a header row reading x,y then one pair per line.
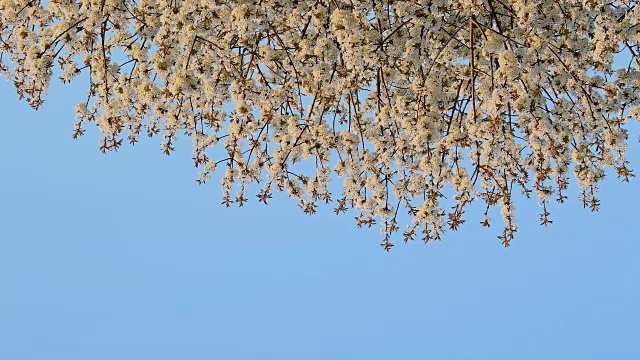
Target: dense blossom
x,y
407,101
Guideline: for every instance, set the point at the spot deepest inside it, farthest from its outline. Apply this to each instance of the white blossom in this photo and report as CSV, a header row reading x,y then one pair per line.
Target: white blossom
x,y
402,100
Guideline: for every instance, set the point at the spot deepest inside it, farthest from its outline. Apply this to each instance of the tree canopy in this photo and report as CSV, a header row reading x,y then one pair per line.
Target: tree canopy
x,y
407,101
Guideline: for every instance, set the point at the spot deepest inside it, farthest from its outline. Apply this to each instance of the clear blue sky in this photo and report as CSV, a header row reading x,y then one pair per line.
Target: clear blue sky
x,y
123,256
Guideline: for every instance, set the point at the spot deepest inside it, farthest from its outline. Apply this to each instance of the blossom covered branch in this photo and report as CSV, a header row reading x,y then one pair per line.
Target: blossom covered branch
x,y
402,99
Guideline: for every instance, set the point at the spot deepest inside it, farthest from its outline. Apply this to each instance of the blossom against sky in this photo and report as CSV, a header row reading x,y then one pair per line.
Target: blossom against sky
x,y
122,255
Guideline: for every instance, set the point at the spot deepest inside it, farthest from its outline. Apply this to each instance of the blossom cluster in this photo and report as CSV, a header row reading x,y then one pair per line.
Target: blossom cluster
x,y
406,101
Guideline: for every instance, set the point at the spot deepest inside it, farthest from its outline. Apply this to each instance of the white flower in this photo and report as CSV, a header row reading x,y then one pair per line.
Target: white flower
x,y
388,100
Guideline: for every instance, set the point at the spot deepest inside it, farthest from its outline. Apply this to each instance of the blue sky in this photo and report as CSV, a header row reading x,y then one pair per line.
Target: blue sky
x,y
124,256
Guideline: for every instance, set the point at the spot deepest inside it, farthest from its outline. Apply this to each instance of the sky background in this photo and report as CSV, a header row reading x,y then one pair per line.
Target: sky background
x,y
123,256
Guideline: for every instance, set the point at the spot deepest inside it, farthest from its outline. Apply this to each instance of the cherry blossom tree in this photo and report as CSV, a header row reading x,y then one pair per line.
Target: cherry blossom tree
x,y
417,106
